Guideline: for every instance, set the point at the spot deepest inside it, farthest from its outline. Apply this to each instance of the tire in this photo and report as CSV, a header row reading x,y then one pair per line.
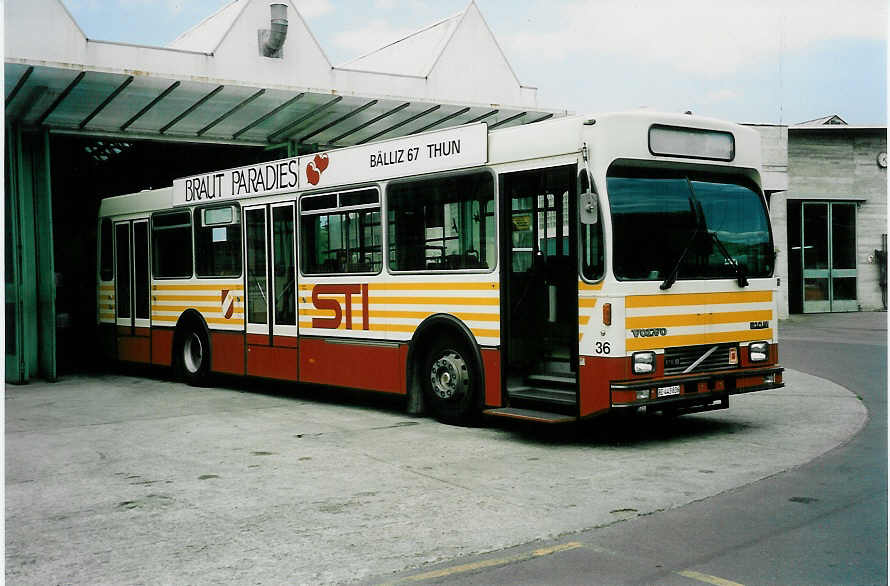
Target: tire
x,y
193,356
451,382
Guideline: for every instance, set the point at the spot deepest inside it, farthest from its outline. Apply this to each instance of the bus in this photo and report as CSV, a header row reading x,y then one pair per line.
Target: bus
x,y
549,272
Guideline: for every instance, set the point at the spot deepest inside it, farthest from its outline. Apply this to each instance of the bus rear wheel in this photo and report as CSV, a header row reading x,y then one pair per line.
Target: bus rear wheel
x,y
193,356
450,382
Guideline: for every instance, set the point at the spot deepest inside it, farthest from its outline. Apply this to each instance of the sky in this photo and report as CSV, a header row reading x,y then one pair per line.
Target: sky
x,y
750,61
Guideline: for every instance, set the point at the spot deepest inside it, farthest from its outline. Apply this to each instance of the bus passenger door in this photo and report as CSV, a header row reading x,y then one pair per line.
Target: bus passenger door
x,y
539,286
132,291
270,281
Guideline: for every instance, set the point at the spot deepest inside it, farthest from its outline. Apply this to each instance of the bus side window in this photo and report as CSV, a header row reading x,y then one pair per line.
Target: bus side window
x,y
218,242
172,245
340,233
106,252
445,223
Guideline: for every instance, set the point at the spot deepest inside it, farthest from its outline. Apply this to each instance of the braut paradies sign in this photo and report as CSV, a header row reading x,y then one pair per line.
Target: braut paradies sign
x,y
441,150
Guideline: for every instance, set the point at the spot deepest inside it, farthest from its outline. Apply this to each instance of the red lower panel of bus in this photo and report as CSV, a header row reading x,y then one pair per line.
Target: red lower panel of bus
x,y
135,348
161,347
594,376
491,363
361,366
228,352
272,362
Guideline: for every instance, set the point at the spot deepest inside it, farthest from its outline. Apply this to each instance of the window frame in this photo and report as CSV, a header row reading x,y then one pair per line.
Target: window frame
x,y
328,211
198,215
432,177
191,225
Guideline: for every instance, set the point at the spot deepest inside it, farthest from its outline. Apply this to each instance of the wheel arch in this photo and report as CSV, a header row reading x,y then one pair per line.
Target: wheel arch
x,y
191,318
437,324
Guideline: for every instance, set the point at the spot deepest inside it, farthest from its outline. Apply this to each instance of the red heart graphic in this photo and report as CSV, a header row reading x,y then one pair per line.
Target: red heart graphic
x,y
321,161
312,174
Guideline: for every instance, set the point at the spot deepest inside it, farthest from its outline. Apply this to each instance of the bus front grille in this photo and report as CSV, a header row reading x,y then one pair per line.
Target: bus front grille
x,y
678,360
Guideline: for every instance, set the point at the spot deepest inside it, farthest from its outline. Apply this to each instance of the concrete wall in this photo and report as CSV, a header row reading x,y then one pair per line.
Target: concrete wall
x,y
841,164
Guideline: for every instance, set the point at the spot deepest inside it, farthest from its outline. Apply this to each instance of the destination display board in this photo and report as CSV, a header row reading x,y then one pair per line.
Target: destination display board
x,y
441,150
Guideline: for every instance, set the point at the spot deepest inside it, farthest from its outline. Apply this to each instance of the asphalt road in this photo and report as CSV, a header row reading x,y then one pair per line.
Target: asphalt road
x,y
821,523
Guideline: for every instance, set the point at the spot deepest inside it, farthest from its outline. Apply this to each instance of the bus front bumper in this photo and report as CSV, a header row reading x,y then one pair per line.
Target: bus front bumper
x,y
700,392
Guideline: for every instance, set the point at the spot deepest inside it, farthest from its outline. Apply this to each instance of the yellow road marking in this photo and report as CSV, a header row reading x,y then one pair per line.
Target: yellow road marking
x,y
488,563
707,578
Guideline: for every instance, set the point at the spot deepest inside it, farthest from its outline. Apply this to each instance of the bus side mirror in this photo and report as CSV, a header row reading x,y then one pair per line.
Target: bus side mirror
x,y
588,207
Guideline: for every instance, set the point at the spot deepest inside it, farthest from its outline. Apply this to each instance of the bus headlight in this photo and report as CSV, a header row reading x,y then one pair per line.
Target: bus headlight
x,y
644,362
758,351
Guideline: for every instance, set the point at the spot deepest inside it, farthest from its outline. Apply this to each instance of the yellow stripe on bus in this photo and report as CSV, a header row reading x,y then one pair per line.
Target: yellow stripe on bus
x,y
106,287
698,299
587,302
481,333
447,301
583,319
697,319
234,287
382,314
633,344
212,308
441,286
582,286
190,298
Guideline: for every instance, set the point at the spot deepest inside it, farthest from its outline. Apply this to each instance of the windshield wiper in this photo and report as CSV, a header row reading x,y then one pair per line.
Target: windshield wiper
x,y
739,269
699,222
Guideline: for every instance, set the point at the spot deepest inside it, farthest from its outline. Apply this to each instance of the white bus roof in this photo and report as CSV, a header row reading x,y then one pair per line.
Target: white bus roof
x,y
610,136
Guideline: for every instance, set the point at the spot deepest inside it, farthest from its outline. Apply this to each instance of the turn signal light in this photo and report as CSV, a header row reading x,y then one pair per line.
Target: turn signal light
x,y
607,314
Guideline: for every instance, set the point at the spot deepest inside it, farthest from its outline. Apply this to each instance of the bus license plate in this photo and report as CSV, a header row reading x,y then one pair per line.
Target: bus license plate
x,y
669,391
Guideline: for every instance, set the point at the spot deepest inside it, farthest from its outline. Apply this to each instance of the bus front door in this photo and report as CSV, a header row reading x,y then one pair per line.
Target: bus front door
x,y
539,279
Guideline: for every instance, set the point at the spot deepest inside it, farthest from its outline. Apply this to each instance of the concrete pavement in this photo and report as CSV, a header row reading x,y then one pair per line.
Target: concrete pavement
x,y
119,479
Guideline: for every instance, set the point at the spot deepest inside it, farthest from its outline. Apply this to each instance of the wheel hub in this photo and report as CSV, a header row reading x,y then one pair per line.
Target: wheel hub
x,y
449,376
193,353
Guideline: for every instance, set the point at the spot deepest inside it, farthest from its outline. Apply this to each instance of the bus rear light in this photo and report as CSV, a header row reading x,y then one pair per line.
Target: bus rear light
x,y
607,314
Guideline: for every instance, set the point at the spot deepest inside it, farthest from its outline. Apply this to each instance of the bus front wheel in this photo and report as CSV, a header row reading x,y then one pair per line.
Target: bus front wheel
x,y
193,356
450,382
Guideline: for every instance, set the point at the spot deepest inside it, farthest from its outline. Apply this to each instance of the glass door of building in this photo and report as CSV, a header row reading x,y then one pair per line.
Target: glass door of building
x,y
828,234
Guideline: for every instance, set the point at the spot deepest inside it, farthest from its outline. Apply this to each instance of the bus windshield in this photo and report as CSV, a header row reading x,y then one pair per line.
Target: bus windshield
x,y
680,226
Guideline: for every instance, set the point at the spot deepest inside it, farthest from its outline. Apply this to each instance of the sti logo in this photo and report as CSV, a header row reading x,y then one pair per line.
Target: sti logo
x,y
333,305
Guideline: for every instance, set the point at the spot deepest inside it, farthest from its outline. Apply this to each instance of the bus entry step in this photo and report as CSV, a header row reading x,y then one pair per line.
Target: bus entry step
x,y
529,415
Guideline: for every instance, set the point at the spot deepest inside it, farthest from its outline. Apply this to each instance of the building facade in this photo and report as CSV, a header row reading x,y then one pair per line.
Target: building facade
x,y
826,183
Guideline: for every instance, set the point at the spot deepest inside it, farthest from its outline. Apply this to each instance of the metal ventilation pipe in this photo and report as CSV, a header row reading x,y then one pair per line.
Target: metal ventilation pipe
x,y
272,40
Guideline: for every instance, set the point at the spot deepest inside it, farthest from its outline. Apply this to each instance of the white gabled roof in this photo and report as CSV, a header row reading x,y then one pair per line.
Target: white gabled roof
x,y
206,36
832,120
414,54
